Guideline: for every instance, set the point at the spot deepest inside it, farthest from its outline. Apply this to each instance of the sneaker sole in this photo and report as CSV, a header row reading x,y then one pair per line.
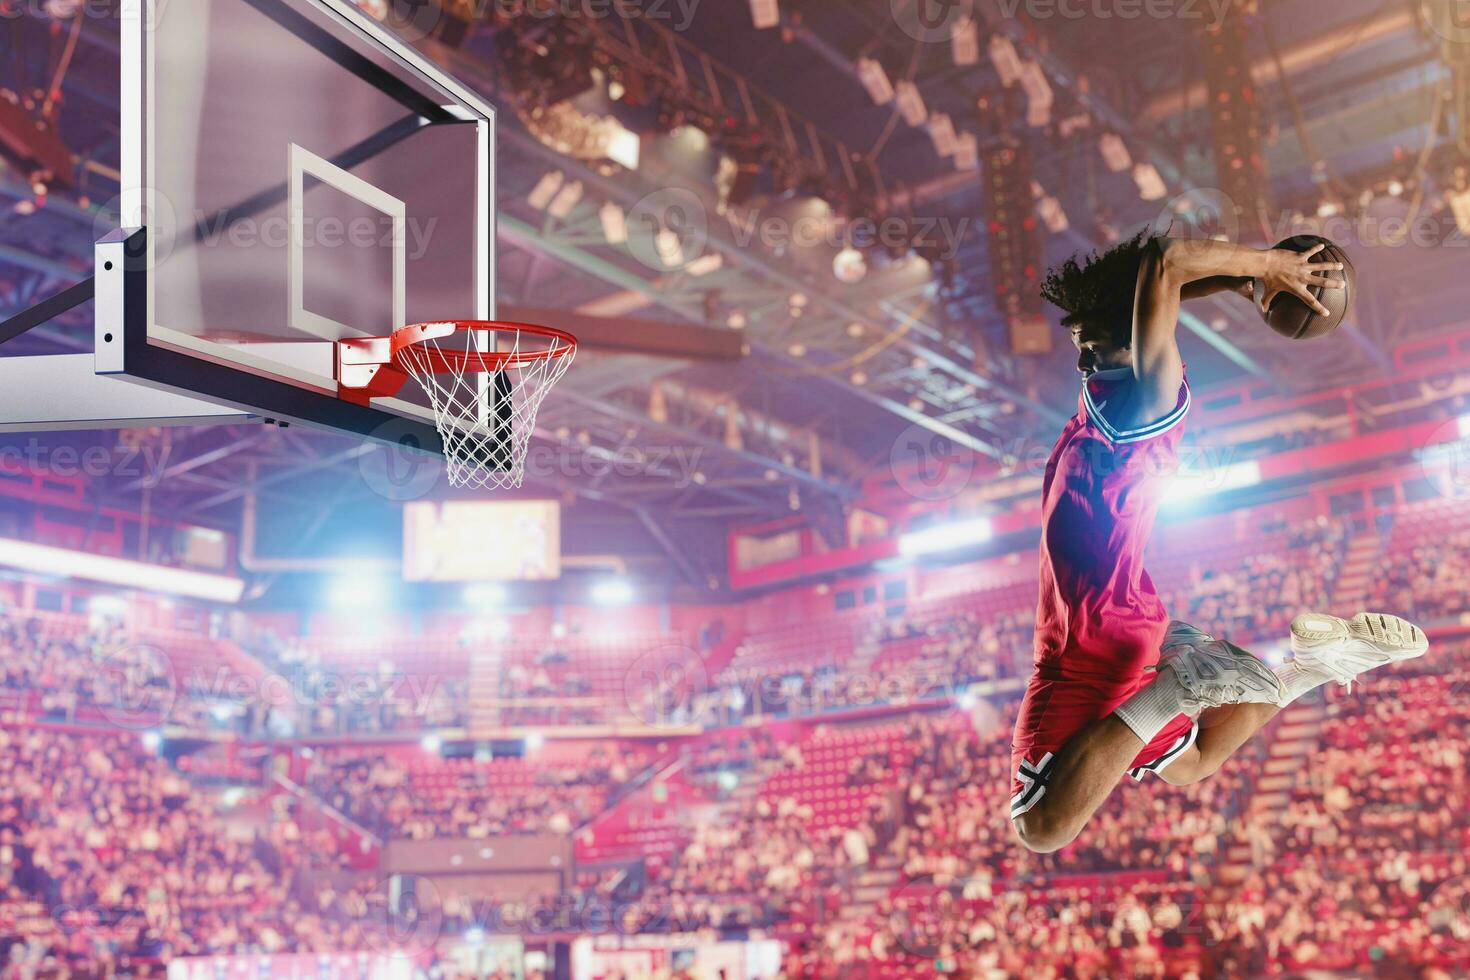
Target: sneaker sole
x,y
1385,636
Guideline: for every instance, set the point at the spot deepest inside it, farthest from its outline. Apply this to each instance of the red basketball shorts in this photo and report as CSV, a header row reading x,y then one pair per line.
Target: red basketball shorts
x,y
1056,707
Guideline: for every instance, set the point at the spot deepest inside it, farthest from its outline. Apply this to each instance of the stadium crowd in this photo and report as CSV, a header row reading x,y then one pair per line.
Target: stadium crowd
x,y
880,850
111,863
464,798
1427,580
1257,597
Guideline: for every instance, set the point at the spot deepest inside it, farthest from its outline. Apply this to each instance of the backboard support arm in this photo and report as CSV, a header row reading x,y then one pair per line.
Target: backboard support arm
x,y
123,349
128,382
48,309
56,392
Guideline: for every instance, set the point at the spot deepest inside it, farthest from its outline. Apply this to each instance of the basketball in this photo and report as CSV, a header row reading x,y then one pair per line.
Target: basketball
x,y
1289,316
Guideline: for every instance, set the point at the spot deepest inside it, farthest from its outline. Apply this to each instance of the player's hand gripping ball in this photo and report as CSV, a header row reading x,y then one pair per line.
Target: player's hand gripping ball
x,y
1307,294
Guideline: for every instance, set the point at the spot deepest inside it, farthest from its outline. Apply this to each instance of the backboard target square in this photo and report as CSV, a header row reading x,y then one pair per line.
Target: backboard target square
x,y
308,232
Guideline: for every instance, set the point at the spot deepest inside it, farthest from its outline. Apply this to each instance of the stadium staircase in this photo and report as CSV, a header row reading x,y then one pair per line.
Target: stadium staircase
x,y
1356,577
486,666
654,819
874,885
1291,741
1295,736
359,848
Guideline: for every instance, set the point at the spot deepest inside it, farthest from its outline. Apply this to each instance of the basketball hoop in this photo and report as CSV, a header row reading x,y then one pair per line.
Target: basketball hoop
x,y
485,380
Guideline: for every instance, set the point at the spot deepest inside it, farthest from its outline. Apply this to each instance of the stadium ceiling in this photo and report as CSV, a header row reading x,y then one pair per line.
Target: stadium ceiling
x,y
837,372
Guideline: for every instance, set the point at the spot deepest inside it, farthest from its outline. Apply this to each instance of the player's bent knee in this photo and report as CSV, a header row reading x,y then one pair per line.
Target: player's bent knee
x,y
1041,834
1184,773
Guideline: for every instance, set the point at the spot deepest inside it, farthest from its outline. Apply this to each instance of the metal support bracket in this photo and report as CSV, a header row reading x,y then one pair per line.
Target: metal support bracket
x,y
123,348
68,299
51,392
128,382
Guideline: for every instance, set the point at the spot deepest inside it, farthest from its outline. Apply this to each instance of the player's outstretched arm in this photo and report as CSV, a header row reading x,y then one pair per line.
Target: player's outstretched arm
x,y
1174,269
1200,288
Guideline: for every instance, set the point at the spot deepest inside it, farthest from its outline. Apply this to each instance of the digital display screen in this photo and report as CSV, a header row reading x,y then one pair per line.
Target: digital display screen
x,y
482,541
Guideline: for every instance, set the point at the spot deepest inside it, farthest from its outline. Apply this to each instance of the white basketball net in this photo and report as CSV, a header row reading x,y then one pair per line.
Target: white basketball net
x,y
486,415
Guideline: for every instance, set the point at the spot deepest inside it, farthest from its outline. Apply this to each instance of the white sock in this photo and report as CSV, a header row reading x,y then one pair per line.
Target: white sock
x,y
1299,680
1154,706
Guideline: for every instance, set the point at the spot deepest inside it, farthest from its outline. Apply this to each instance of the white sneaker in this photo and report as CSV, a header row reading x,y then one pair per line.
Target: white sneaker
x,y
1215,672
1344,648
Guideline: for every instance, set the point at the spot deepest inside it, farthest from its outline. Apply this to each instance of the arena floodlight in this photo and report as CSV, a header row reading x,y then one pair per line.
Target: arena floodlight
x,y
546,188
1193,482
431,743
107,606
704,265
965,45
875,79
358,592
910,103
1004,57
1115,152
625,147
1151,186
613,592
45,559
967,152
946,537
614,223
565,200
1459,202
483,595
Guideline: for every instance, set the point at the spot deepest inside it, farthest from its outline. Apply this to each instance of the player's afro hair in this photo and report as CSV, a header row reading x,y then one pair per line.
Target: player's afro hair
x,y
1102,285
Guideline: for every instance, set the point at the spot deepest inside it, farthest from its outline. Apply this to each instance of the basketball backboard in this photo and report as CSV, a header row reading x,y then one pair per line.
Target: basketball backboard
x,y
293,175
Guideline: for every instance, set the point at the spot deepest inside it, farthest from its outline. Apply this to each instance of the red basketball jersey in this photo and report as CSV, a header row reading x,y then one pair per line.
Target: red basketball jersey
x,y
1098,616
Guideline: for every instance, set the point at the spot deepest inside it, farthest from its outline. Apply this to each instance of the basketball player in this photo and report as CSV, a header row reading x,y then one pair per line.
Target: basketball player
x,y
1118,688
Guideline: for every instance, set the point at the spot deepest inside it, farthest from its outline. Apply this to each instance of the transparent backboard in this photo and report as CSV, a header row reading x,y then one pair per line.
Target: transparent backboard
x,y
304,177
